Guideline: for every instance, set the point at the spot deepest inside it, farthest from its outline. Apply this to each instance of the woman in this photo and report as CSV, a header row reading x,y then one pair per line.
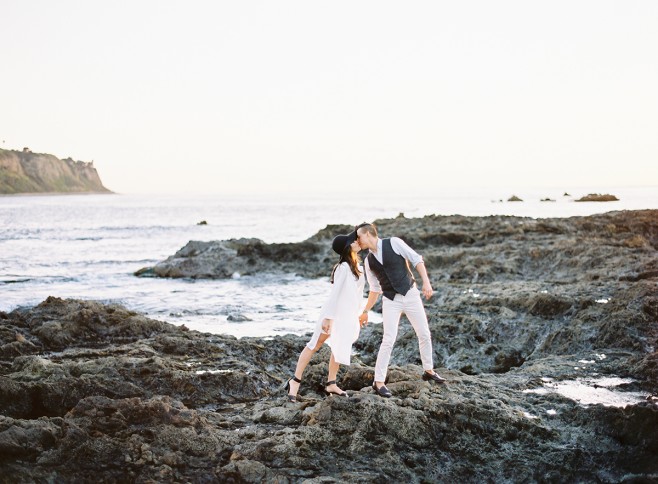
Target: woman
x,y
339,323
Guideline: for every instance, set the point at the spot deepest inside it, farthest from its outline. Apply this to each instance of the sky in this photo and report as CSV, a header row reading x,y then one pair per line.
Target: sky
x,y
283,97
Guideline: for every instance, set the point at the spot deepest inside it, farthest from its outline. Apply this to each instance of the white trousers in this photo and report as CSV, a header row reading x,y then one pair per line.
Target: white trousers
x,y
412,306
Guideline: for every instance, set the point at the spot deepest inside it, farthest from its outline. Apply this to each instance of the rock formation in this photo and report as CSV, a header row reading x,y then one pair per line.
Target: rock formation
x,y
597,197
458,249
545,329
27,172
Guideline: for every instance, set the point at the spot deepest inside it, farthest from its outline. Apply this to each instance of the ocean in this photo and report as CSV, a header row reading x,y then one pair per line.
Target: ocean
x,y
89,246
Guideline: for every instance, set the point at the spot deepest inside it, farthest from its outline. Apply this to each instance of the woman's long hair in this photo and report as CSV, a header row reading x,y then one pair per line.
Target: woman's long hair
x,y
352,258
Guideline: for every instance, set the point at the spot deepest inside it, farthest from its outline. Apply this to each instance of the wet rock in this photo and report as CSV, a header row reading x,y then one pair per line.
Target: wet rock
x,y
507,359
238,318
224,259
548,305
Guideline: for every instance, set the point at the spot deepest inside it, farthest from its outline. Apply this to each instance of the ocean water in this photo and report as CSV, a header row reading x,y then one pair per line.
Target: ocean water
x,y
89,246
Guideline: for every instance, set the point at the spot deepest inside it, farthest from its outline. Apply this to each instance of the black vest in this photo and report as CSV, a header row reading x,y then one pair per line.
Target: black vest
x,y
394,275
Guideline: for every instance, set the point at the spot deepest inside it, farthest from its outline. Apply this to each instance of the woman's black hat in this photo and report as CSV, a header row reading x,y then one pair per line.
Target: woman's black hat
x,y
342,241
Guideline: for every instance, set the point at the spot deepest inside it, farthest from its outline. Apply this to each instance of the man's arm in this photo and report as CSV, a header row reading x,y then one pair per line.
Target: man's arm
x,y
427,287
373,282
400,247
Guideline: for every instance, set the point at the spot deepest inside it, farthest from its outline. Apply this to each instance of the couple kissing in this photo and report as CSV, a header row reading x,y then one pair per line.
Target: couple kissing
x,y
387,269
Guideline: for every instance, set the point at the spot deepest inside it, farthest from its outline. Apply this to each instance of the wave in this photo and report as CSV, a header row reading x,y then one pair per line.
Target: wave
x,y
12,280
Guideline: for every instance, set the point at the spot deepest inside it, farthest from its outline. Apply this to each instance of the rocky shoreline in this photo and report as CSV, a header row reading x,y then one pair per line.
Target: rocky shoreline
x,y
546,329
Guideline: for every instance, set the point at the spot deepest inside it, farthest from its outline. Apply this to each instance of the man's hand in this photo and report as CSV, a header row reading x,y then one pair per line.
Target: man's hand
x,y
427,287
363,320
427,290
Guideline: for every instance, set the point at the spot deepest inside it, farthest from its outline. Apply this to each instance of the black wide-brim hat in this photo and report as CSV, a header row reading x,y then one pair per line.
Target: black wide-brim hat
x,y
342,241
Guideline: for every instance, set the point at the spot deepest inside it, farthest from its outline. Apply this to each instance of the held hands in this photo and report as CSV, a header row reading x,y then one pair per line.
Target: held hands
x,y
363,320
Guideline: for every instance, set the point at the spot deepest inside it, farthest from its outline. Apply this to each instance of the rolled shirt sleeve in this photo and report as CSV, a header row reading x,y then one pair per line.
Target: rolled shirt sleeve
x,y
373,282
400,247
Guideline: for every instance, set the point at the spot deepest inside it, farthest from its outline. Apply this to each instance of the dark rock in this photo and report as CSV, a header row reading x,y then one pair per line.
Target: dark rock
x,y
499,247
150,401
596,197
97,392
238,318
505,360
514,198
547,305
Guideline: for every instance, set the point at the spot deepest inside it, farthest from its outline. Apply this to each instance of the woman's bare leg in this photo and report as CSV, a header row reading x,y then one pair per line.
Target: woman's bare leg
x,y
303,360
333,371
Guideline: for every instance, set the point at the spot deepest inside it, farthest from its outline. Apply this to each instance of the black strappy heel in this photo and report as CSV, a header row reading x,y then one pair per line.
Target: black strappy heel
x,y
333,382
292,398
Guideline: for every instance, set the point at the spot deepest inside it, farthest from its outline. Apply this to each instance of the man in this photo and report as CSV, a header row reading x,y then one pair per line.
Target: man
x,y
387,271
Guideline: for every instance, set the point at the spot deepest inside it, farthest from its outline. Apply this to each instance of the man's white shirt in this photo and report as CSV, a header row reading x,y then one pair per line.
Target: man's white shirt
x,y
400,247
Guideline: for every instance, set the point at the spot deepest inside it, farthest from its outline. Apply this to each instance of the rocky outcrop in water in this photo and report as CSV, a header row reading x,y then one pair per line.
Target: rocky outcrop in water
x,y
597,197
533,322
27,172
456,248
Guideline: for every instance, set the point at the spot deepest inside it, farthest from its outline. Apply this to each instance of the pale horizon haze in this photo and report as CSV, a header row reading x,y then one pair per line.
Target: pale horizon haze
x,y
335,97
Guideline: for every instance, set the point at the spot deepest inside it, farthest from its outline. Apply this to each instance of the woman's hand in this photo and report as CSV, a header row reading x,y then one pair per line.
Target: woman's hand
x,y
363,319
326,325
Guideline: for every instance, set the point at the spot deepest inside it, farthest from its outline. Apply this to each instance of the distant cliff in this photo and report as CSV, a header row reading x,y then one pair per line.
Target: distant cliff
x,y
27,172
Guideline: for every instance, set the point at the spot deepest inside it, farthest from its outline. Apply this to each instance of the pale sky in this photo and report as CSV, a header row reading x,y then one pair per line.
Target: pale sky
x,y
289,96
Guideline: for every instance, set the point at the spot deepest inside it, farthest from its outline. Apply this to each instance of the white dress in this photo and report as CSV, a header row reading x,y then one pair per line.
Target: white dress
x,y
344,305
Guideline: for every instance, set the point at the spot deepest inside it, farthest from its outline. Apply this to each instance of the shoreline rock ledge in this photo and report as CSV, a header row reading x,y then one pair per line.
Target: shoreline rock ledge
x,y
457,248
94,392
547,331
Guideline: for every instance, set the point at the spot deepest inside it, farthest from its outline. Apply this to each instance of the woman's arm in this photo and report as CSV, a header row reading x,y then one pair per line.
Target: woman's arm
x,y
340,278
372,299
